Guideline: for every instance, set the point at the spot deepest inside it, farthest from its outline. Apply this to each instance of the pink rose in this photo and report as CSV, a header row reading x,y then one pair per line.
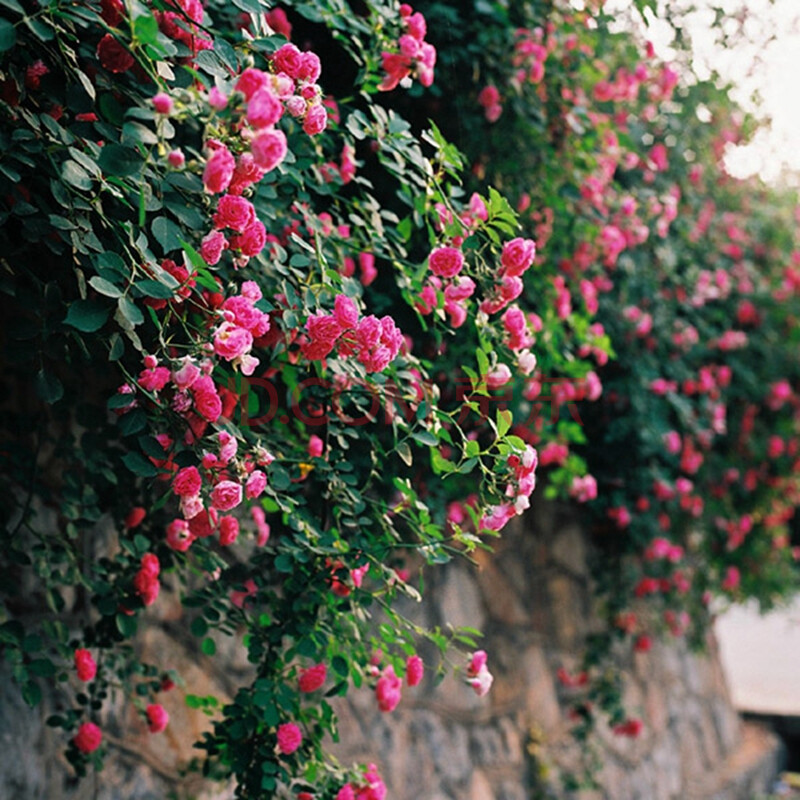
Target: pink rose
x,y
312,678
323,332
289,738
226,495
234,212
415,669
498,377
315,120
157,718
252,240
256,483
269,149
228,530
85,665
366,261
212,247
315,447
231,341
310,67
518,255
162,103
187,482
279,23
264,109
446,262
247,173
179,536
288,59
88,738
208,403
219,170
216,99
345,311
250,81
176,159
388,690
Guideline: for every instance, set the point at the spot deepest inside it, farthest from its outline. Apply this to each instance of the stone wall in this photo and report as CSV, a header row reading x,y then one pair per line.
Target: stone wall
x,y
444,743
531,598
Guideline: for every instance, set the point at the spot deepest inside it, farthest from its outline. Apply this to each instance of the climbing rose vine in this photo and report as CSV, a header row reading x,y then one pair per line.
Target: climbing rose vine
x,y
276,346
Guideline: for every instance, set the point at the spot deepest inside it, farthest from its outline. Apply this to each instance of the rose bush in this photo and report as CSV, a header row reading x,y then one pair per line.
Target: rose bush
x,y
264,317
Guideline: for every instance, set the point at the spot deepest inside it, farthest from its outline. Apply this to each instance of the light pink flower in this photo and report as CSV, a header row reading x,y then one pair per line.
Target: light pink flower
x,y
256,483
226,495
219,170
388,690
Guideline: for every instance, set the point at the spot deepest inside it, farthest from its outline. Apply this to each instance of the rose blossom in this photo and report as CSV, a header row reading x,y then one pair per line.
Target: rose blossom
x,y
179,537
85,665
264,109
234,212
114,56
252,240
162,103
157,718
414,670
219,170
256,483
388,690
269,149
187,482
518,255
312,678
226,495
228,530
250,81
88,738
315,120
446,262
231,342
289,738
212,247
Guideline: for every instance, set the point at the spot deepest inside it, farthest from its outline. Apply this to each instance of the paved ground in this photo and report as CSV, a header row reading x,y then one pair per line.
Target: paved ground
x,y
761,658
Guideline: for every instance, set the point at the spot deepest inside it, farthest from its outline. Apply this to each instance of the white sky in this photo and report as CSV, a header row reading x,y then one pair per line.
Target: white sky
x,y
770,68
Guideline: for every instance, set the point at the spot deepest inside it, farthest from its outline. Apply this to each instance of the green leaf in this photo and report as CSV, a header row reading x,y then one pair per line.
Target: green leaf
x,y
139,465
167,233
145,29
8,35
32,694
199,626
119,161
105,287
126,624
153,288
404,451
504,420
48,387
42,667
426,438
75,175
86,315
130,311
208,646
